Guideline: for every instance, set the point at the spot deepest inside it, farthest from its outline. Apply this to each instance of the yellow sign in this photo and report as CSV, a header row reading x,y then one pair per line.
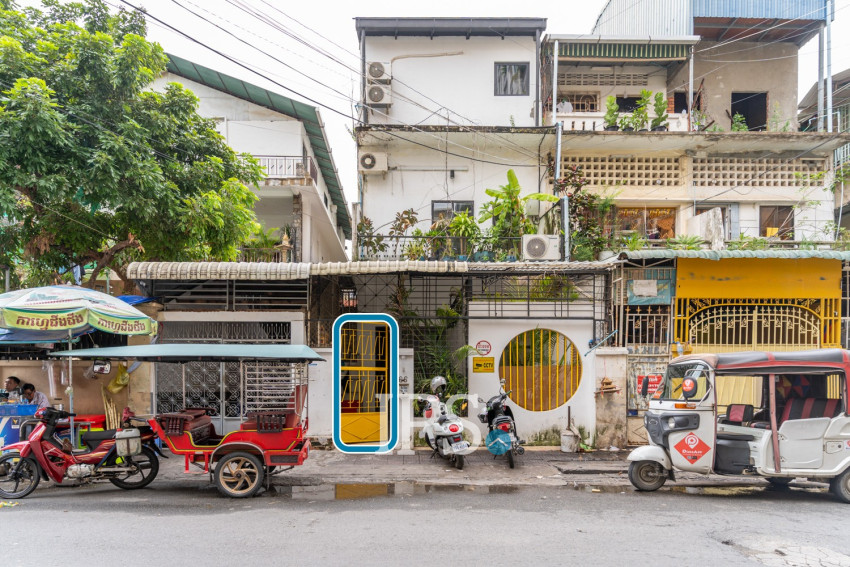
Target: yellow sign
x,y
483,364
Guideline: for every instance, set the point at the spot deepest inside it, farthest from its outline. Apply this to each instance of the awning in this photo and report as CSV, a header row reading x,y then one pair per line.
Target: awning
x,y
662,253
294,271
192,352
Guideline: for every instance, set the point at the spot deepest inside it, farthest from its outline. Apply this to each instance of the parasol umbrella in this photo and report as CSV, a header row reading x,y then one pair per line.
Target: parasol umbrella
x,y
70,310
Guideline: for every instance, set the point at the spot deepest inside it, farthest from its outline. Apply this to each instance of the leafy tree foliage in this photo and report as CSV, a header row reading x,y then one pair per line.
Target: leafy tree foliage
x,y
95,169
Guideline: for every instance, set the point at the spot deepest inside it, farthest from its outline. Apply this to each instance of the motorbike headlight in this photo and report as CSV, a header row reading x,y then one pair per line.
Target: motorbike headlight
x,y
671,423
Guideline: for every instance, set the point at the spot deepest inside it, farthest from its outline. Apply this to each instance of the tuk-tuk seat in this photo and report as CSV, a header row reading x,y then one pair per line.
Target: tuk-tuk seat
x,y
805,408
738,414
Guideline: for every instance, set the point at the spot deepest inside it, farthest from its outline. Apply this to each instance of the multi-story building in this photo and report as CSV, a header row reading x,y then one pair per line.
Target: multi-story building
x,y
301,193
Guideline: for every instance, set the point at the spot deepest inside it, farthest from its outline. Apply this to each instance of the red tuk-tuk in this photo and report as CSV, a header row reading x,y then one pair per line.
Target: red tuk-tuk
x,y
273,432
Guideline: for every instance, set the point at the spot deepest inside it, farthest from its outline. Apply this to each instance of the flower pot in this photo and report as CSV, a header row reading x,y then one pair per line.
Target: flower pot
x,y
611,128
660,129
628,129
510,258
462,257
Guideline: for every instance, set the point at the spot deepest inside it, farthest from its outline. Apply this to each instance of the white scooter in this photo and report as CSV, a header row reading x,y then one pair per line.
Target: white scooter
x,y
444,432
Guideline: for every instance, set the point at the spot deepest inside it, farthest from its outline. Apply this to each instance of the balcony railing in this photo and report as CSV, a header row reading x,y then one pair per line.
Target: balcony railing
x,y
282,167
384,247
596,121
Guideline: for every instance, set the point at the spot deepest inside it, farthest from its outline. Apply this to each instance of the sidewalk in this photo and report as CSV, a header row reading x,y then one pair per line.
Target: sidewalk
x,y
539,466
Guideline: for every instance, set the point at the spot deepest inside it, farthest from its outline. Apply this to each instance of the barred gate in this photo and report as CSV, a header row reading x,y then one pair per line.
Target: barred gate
x,y
216,385
365,368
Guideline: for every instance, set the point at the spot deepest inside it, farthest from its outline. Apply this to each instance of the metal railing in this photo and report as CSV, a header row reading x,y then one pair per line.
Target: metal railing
x,y
385,247
263,255
281,167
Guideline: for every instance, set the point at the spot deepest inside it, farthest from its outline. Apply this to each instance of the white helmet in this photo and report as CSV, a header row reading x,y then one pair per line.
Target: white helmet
x,y
437,382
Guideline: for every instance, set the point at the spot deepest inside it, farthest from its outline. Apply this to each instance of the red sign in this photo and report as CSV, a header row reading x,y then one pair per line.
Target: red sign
x,y
692,447
483,347
654,382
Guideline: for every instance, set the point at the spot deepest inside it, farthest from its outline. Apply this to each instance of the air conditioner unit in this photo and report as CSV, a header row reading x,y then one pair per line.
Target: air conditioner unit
x,y
541,247
378,72
379,95
372,162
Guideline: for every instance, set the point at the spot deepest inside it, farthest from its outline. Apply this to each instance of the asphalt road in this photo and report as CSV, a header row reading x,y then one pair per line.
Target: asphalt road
x,y
183,522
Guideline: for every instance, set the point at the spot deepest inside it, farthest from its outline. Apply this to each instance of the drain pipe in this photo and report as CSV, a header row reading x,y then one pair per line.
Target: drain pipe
x,y
555,88
829,16
565,201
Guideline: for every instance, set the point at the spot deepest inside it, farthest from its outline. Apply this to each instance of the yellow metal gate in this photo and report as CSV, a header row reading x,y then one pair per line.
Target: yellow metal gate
x,y
365,370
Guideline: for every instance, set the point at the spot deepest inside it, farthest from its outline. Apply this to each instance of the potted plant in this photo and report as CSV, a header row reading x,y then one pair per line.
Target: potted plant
x,y
415,249
685,242
465,229
659,123
634,241
626,123
371,244
640,116
739,123
612,113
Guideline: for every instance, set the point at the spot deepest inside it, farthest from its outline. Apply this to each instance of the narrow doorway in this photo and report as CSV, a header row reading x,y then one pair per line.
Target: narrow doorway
x,y
753,107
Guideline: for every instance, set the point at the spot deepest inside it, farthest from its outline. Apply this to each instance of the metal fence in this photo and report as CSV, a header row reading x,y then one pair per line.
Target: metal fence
x,y
408,247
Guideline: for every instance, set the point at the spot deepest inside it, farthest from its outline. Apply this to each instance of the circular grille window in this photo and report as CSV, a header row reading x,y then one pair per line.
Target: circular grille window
x,y
541,368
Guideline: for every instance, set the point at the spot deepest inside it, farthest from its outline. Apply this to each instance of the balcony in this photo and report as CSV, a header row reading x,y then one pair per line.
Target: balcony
x,y
595,121
288,167
386,247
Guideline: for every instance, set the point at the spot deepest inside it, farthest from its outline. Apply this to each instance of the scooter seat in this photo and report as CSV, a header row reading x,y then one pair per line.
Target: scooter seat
x,y
93,438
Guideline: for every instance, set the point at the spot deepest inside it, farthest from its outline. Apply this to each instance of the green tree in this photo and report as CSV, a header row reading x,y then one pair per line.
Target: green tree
x,y
97,170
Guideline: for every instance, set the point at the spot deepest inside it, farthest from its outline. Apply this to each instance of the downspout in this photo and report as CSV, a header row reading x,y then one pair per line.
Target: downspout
x,y
829,16
690,88
820,79
555,52
539,86
363,109
565,202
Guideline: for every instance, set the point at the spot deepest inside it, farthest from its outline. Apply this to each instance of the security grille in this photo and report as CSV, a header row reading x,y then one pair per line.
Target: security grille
x,y
603,79
273,386
634,171
732,172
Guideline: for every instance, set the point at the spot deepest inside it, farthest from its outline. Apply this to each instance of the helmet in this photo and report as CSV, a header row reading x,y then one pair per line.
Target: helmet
x,y
437,382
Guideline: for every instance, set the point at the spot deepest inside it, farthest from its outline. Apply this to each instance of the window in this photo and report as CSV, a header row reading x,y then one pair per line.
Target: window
x,y
753,107
776,222
577,102
651,222
512,79
628,103
446,210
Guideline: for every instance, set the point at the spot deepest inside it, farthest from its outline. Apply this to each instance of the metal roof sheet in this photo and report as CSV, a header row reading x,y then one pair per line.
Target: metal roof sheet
x,y
298,271
661,253
431,27
308,115
185,352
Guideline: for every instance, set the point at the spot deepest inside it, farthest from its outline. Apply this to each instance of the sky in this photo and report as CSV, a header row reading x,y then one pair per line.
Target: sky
x,y
309,49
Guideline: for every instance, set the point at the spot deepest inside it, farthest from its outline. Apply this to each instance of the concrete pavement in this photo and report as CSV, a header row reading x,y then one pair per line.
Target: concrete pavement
x,y
539,466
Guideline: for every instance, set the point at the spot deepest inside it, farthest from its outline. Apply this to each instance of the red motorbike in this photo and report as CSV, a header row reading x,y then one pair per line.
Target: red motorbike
x,y
125,457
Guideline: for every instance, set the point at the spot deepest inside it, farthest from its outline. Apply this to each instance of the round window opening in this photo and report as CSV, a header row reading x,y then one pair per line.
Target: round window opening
x,y
541,369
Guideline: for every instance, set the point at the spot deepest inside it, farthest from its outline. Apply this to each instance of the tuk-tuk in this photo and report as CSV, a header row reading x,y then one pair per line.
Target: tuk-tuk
x,y
272,436
779,415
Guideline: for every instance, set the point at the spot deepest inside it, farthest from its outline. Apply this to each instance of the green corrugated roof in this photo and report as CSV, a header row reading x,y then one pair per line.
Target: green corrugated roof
x,y
303,112
618,50
661,253
201,351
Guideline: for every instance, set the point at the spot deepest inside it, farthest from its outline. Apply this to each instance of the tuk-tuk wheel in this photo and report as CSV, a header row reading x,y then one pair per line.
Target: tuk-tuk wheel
x,y
840,486
647,475
239,475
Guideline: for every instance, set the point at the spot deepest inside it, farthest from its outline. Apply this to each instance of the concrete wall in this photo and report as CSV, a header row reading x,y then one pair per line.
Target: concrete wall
x,y
656,81
454,76
499,333
744,67
404,186
611,410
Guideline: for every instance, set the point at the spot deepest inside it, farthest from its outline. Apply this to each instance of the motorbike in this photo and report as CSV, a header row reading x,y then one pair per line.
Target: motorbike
x,y
125,457
501,429
445,433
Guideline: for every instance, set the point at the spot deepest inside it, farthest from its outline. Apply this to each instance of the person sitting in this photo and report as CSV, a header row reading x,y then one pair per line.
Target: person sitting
x,y
564,107
33,397
13,387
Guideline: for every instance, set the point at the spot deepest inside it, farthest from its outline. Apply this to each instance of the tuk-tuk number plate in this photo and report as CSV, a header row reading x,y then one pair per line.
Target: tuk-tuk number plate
x,y
692,447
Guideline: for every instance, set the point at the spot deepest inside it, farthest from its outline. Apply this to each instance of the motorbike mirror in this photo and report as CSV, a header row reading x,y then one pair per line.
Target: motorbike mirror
x,y
689,385
644,386
480,400
101,367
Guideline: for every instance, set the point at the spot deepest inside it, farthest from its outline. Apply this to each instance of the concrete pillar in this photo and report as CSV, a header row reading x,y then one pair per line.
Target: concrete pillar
x,y
297,228
611,407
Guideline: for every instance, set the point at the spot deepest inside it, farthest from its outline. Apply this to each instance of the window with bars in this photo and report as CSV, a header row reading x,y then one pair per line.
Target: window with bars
x,y
446,210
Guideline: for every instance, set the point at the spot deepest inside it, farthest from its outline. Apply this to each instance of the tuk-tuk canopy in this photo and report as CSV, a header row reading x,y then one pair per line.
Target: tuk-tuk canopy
x,y
187,352
762,362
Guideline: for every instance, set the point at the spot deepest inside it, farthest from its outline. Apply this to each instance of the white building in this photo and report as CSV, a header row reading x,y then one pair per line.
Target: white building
x,y
301,189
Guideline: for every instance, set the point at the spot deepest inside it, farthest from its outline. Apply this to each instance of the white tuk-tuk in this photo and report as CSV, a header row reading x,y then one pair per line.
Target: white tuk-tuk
x,y
780,415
